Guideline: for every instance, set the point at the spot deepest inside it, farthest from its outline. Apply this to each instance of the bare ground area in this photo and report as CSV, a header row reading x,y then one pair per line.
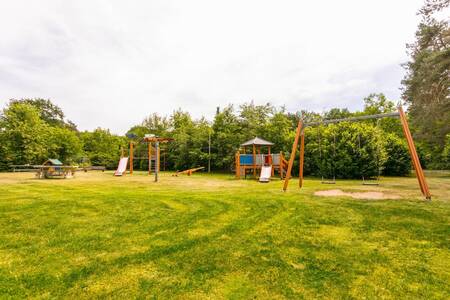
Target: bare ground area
x,y
356,195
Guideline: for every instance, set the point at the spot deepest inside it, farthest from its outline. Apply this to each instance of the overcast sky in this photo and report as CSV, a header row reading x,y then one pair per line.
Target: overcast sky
x,y
111,63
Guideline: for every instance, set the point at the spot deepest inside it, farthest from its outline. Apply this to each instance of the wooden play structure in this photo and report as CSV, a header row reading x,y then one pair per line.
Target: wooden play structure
x,y
152,155
53,168
188,172
252,162
300,135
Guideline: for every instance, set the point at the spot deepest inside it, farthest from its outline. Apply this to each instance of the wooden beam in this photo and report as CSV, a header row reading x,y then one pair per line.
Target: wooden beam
x,y
281,165
254,161
292,157
302,154
414,157
149,158
131,158
238,164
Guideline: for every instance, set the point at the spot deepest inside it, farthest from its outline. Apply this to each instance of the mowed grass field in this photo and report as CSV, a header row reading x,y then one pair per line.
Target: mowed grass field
x,y
211,236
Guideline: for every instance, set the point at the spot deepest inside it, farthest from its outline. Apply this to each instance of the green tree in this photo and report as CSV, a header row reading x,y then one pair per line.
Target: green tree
x,y
24,135
49,112
344,150
157,125
65,145
227,136
398,160
254,118
103,148
426,86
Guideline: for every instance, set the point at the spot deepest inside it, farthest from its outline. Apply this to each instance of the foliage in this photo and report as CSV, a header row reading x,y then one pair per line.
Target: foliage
x,y
24,134
446,153
344,150
427,82
226,138
398,159
34,130
65,145
49,112
102,148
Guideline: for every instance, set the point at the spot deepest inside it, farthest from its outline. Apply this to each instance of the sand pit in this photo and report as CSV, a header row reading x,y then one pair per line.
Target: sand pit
x,y
356,195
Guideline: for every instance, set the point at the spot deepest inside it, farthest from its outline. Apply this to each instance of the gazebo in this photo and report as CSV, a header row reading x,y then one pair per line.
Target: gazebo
x,y
256,159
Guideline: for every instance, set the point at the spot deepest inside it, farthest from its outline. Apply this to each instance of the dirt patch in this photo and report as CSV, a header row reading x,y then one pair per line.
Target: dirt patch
x,y
356,195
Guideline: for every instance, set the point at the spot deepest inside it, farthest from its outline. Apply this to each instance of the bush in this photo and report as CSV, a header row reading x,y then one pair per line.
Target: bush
x,y
344,150
398,162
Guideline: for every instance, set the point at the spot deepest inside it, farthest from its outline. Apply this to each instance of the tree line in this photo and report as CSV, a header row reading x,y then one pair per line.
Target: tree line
x,y
33,130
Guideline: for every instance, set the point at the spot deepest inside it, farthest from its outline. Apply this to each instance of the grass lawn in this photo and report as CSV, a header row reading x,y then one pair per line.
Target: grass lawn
x,y
210,236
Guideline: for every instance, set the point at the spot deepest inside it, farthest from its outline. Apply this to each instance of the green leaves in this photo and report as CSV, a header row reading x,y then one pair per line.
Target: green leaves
x,y
426,86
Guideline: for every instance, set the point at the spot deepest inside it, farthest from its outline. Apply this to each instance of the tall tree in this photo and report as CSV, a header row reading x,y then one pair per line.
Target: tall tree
x,y
48,111
426,86
23,134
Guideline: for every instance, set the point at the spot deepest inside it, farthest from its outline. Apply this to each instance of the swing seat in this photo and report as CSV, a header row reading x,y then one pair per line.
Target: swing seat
x,y
370,183
375,181
328,181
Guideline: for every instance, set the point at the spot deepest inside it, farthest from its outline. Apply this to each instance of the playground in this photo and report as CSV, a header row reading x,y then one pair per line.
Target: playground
x,y
211,236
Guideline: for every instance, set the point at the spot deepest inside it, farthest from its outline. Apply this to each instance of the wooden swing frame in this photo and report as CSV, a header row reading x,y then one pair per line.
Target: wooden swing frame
x,y
150,155
300,135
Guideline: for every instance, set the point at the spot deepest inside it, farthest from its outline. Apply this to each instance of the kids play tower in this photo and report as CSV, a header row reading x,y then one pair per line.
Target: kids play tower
x,y
250,163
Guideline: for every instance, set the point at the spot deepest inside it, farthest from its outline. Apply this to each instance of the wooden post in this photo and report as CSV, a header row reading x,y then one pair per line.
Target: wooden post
x,y
238,164
254,161
414,157
270,156
281,166
302,154
292,157
158,165
156,160
270,163
131,158
149,158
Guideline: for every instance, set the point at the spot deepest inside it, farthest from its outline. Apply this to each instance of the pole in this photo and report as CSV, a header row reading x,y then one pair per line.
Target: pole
x,y
149,158
254,161
209,152
156,161
131,158
302,154
414,157
238,164
292,157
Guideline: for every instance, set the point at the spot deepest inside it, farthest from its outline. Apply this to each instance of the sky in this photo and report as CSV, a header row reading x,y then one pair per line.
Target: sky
x,y
111,63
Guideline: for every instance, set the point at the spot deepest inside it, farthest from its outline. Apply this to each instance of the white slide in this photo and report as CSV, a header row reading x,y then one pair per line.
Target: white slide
x,y
266,173
122,167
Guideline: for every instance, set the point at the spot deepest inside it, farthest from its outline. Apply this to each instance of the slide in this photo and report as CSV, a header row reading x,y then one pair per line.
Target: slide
x,y
122,167
266,173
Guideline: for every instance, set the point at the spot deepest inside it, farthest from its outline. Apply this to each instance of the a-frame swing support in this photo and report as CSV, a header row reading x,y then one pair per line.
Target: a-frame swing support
x,y
300,134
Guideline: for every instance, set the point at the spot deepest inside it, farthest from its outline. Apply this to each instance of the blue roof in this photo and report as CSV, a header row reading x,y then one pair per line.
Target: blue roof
x,y
54,162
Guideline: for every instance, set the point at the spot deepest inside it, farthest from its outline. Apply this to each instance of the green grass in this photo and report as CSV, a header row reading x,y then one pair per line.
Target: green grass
x,y
204,236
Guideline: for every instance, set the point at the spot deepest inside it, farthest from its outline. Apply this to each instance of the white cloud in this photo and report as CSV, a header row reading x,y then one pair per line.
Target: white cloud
x,y
111,63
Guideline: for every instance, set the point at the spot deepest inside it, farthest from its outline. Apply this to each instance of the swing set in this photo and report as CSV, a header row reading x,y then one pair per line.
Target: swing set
x,y
300,135
365,179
